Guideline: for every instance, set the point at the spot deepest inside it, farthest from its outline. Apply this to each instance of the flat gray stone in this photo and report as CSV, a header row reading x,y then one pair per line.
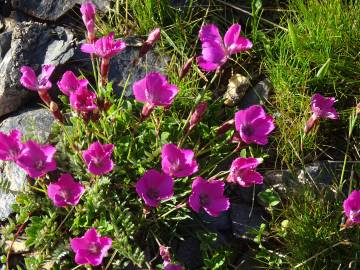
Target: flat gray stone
x,y
34,124
242,222
256,95
32,44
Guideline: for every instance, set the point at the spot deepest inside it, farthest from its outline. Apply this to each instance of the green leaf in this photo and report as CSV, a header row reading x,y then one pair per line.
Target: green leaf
x,y
270,197
323,70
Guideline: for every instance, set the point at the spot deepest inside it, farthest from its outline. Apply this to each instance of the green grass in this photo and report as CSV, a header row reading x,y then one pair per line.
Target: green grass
x,y
318,53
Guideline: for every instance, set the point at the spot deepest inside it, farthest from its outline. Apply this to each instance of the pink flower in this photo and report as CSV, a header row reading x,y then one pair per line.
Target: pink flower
x,y
178,162
98,158
88,11
171,266
352,207
91,248
65,191
31,82
37,160
154,187
152,38
154,90
208,195
10,145
105,47
165,255
243,172
254,125
83,100
69,83
215,51
322,108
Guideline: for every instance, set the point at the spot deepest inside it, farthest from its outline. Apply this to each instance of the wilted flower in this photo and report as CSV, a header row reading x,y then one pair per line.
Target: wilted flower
x,y
154,187
10,145
69,83
352,208
98,158
65,191
322,108
208,195
215,51
154,90
254,125
198,114
105,47
152,38
88,11
91,248
37,160
178,162
83,100
31,82
243,172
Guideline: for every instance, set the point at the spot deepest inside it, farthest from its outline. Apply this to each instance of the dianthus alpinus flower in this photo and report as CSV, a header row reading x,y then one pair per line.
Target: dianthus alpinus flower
x,y
208,195
105,47
178,162
69,83
91,248
88,11
37,160
243,172
150,41
83,100
65,191
154,187
254,125
10,145
322,108
98,158
215,50
154,90
352,208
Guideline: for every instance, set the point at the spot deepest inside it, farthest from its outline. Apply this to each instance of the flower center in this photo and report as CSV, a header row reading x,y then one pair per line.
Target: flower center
x,y
247,130
204,199
66,194
152,194
94,248
39,165
176,165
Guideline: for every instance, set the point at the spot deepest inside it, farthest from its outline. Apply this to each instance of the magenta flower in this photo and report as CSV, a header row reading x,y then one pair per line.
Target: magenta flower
x,y
178,162
215,51
37,160
65,191
171,266
83,100
69,83
322,108
208,195
243,172
10,145
98,158
150,41
31,82
91,248
105,47
352,208
154,90
165,255
254,125
154,187
88,11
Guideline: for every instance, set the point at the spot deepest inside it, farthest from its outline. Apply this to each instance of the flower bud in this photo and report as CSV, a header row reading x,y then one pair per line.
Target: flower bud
x,y
310,123
198,114
146,111
152,38
225,127
186,67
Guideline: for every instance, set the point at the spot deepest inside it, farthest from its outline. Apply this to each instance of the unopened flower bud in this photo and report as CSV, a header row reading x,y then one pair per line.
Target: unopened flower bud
x,y
146,111
164,253
198,114
225,127
186,67
152,38
310,124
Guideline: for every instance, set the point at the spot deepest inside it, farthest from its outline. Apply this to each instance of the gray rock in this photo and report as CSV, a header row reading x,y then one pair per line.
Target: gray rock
x,y
102,5
5,44
256,95
34,124
188,253
242,222
32,44
281,180
49,10
320,172
121,67
220,223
